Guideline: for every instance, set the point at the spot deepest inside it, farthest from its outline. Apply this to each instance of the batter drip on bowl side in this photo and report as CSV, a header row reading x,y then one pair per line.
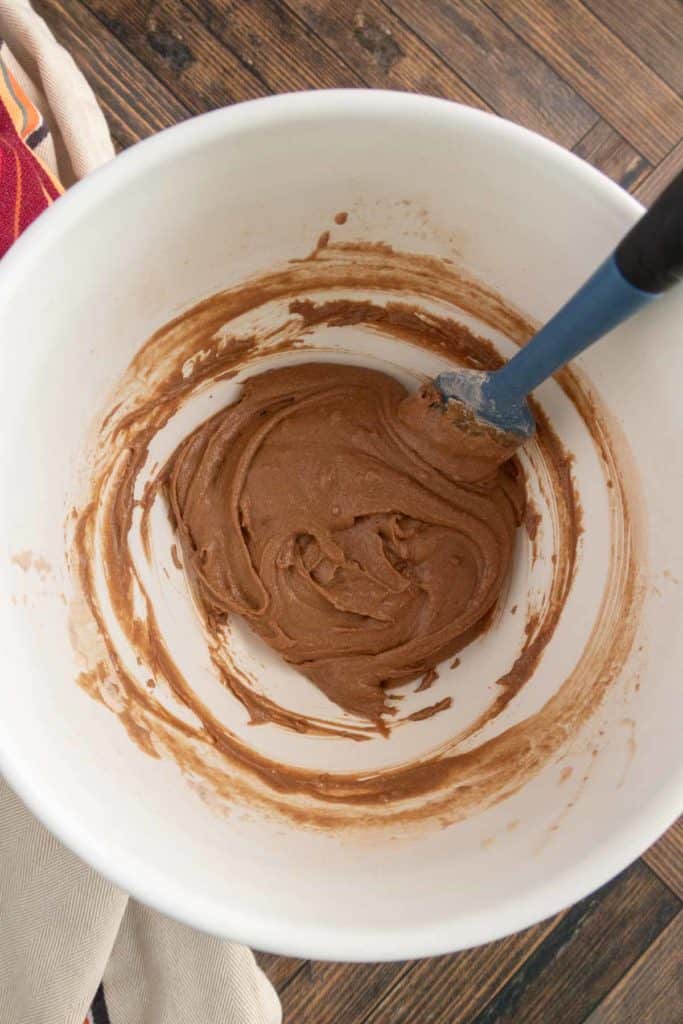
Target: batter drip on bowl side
x,y
122,645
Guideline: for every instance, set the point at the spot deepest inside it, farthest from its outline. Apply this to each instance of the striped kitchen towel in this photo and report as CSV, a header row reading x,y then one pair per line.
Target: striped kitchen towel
x,y
52,130
27,185
72,945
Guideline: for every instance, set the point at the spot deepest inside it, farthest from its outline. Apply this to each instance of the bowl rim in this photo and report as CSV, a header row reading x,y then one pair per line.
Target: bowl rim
x,y
126,869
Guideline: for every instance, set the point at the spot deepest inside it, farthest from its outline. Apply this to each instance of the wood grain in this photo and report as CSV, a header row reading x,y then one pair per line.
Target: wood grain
x,y
499,66
280,969
624,90
452,989
407,992
173,44
387,55
666,858
134,102
652,991
653,30
587,953
327,993
605,149
277,44
660,177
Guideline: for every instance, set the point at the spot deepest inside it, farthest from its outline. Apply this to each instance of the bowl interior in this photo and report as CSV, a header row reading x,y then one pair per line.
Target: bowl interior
x,y
201,208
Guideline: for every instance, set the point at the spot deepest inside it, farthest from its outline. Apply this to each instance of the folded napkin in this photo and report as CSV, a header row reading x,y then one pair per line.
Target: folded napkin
x,y
72,945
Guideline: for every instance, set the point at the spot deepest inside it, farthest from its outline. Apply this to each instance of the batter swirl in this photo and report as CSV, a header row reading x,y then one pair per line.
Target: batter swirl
x,y
317,508
343,521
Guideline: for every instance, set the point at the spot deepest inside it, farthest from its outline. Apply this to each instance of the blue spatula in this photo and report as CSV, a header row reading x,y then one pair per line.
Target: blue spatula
x,y
645,263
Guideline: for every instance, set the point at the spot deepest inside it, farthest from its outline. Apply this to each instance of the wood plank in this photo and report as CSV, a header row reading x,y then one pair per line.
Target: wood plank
x,y
605,149
582,959
624,90
173,44
657,181
653,30
385,53
499,66
454,988
273,41
281,970
666,858
134,102
652,991
328,993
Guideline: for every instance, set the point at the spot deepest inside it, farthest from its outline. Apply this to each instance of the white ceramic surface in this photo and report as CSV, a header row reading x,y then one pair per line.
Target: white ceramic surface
x,y
198,208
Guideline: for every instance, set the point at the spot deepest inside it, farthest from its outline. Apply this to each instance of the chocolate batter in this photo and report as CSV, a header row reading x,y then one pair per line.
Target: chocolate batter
x,y
327,507
326,540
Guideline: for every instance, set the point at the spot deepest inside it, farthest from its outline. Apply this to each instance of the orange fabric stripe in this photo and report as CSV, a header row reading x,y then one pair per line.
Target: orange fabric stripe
x,y
23,114
32,117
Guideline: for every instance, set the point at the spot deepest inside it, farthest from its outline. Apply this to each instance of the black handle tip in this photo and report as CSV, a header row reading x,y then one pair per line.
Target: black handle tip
x,y
651,255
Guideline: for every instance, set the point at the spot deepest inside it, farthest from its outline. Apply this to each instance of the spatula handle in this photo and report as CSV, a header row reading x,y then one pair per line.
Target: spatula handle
x,y
648,260
650,256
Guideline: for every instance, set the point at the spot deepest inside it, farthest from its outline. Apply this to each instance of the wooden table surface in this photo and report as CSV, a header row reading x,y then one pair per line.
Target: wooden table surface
x,y
601,77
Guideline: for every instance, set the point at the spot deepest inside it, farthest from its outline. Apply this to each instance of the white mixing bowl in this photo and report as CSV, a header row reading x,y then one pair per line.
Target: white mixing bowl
x,y
201,207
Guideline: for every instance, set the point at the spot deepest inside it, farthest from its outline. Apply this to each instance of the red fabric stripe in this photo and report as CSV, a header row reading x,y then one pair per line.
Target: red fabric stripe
x,y
25,187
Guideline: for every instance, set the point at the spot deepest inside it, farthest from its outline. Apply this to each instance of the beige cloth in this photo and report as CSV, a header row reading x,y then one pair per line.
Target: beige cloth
x,y
63,928
80,139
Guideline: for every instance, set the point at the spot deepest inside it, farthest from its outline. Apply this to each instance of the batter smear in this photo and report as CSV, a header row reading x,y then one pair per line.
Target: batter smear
x,y
328,509
356,530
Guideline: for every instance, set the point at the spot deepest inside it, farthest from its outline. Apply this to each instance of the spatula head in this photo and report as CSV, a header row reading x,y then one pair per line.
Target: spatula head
x,y
479,392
